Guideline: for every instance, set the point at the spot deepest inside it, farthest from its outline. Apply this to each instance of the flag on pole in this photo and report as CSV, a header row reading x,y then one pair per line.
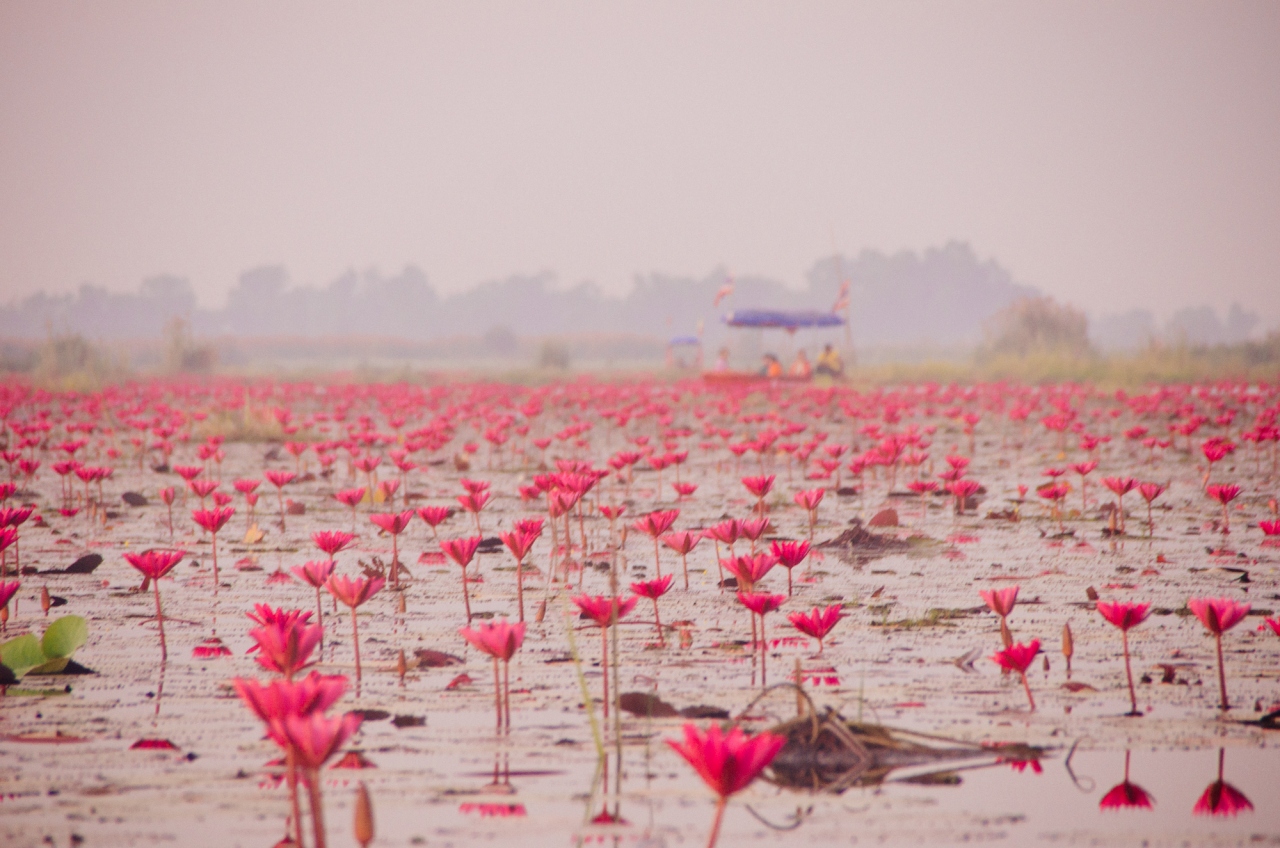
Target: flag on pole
x,y
725,291
842,299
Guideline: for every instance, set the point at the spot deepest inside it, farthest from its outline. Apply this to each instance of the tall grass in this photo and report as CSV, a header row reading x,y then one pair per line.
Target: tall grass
x,y
1250,362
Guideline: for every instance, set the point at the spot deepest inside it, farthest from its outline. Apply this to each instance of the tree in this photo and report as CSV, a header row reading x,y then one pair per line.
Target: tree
x,y
1036,325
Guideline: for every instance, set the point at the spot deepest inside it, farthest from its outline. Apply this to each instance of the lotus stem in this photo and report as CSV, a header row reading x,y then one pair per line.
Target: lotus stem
x,y
497,693
520,587
1133,698
506,693
355,639
317,807
1222,675
604,665
164,648
715,823
291,777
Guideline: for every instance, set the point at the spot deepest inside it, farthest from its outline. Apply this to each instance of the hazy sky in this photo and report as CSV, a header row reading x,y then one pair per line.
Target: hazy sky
x,y
1117,155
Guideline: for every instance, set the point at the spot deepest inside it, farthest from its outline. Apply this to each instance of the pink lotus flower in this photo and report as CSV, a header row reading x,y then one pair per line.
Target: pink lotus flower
x,y
168,496
962,490
789,555
461,551
1001,602
280,698
352,498
387,489
1018,658
1223,493
530,526
1084,469
749,570
1149,492
395,524
9,588
922,488
245,485
1221,798
213,520
684,490
1126,795
264,615
1219,615
1120,486
761,603
433,516
760,487
312,741
474,487
654,589
210,648
499,640
657,522
279,479
473,502
682,542
654,525
315,573
332,541
1126,616
727,763
152,565
817,623
726,531
753,529
285,647
203,488
353,593
604,611
810,499
1215,450
520,542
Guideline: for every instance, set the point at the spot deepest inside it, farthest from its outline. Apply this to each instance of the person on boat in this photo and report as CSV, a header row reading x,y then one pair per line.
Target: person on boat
x,y
829,363
772,367
722,361
801,367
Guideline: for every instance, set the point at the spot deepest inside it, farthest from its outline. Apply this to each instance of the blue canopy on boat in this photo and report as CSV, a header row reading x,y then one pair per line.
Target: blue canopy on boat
x,y
684,340
782,319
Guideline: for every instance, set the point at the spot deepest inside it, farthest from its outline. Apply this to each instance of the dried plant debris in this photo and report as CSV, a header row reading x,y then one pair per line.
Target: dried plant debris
x,y
829,753
859,545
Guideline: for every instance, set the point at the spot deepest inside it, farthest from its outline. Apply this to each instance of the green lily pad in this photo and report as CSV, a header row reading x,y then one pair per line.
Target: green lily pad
x,y
22,654
53,666
63,637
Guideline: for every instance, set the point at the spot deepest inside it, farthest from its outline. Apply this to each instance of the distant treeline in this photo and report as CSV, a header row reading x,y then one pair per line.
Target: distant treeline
x,y
939,299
